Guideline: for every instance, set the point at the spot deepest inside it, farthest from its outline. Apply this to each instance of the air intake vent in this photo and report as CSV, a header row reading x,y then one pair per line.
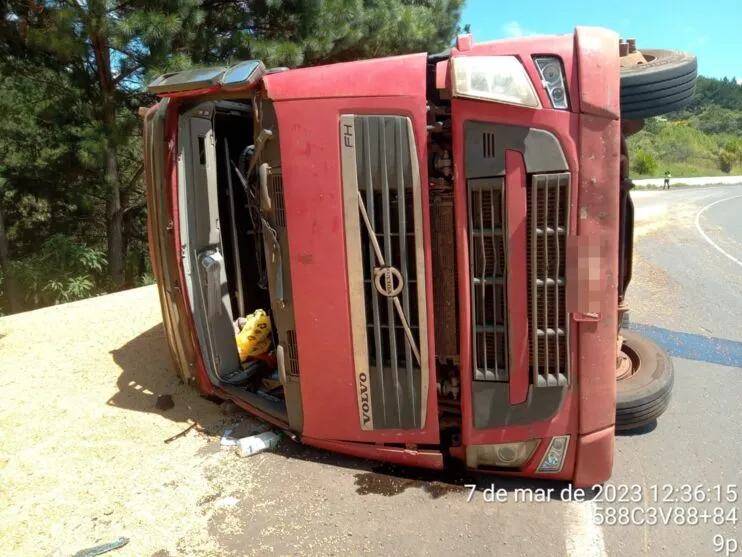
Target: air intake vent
x,y
276,185
488,271
488,145
292,354
548,222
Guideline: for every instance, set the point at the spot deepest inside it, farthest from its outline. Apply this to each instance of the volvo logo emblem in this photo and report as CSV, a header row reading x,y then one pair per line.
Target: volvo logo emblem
x,y
388,281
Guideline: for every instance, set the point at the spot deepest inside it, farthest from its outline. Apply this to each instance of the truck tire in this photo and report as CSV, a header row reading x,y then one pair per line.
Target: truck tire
x,y
644,395
664,84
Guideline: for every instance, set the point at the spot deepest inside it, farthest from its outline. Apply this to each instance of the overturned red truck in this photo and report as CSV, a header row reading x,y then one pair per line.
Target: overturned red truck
x,y
442,244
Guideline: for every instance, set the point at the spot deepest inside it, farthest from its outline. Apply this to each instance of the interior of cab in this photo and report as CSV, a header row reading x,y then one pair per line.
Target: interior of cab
x,y
231,248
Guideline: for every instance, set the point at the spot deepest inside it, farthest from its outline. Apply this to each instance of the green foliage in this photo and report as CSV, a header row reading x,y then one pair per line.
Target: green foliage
x,y
726,160
62,270
644,163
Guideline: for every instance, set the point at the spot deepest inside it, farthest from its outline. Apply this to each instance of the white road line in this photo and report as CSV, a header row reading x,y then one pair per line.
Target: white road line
x,y
709,240
582,537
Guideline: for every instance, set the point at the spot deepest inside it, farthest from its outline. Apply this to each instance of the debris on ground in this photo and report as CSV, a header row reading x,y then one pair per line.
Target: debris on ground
x,y
248,446
244,428
181,434
103,548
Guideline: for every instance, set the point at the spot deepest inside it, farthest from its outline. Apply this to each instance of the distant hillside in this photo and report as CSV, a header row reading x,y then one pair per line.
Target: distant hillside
x,y
705,139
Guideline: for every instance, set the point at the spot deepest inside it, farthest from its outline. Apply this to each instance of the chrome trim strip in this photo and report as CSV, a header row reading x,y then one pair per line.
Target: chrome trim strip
x,y
422,295
355,270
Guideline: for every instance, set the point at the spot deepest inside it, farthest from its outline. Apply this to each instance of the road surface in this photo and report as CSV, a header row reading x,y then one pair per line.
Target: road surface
x,y
83,458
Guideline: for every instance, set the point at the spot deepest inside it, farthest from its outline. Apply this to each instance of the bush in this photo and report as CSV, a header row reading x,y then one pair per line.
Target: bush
x,y
726,160
644,163
63,270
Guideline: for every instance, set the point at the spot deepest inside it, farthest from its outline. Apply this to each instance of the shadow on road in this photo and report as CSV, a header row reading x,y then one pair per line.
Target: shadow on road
x,y
147,372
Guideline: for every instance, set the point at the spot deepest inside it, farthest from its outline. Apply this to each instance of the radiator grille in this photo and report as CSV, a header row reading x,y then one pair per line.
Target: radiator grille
x,y
386,340
488,271
548,222
383,222
443,252
292,354
276,185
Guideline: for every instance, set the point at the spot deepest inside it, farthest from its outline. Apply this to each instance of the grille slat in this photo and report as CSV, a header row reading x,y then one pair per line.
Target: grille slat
x,y
548,220
376,309
387,239
403,259
488,271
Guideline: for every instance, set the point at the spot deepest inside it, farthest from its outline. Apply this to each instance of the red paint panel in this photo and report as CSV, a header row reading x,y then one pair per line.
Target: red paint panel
x,y
405,457
594,458
515,199
310,154
599,71
398,76
598,218
566,127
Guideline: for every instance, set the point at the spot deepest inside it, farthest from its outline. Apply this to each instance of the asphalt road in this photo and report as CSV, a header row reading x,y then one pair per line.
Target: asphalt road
x,y
686,295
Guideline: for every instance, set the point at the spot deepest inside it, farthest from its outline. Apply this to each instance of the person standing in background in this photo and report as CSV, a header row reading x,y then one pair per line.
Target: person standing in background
x,y
667,180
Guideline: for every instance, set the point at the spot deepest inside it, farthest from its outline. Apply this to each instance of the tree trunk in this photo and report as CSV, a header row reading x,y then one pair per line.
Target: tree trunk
x,y
11,291
115,221
114,214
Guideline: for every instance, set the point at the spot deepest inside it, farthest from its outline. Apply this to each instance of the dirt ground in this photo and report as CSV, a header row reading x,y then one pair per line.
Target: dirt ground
x,y
82,453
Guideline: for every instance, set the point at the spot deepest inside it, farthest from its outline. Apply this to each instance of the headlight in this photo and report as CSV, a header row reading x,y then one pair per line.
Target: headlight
x,y
493,78
505,455
552,76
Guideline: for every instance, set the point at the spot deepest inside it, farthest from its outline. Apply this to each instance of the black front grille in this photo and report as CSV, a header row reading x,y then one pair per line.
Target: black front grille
x,y
391,346
488,272
548,224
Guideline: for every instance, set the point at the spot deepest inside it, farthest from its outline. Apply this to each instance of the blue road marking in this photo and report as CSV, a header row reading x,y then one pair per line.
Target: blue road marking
x,y
693,347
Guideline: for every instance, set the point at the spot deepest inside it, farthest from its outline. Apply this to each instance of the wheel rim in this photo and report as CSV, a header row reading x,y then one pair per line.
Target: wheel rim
x,y
628,364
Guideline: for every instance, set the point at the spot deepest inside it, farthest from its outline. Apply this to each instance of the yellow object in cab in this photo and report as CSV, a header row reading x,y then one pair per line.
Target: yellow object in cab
x,y
254,338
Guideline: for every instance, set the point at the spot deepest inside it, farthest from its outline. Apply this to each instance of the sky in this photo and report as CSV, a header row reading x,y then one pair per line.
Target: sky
x,y
711,29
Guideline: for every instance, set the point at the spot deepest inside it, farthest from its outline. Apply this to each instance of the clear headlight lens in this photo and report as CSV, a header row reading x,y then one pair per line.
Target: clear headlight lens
x,y
493,78
552,76
506,455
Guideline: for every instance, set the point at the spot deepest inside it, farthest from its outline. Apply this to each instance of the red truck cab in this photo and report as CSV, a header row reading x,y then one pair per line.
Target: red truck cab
x,y
434,237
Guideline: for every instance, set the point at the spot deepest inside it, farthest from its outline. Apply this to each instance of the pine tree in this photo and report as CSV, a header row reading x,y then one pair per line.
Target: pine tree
x,y
86,63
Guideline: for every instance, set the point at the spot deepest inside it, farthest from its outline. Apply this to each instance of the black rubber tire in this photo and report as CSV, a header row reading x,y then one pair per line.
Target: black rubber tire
x,y
664,84
644,396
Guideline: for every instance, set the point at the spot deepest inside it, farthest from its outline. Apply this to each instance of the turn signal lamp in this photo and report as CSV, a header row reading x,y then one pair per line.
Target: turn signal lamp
x,y
553,458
